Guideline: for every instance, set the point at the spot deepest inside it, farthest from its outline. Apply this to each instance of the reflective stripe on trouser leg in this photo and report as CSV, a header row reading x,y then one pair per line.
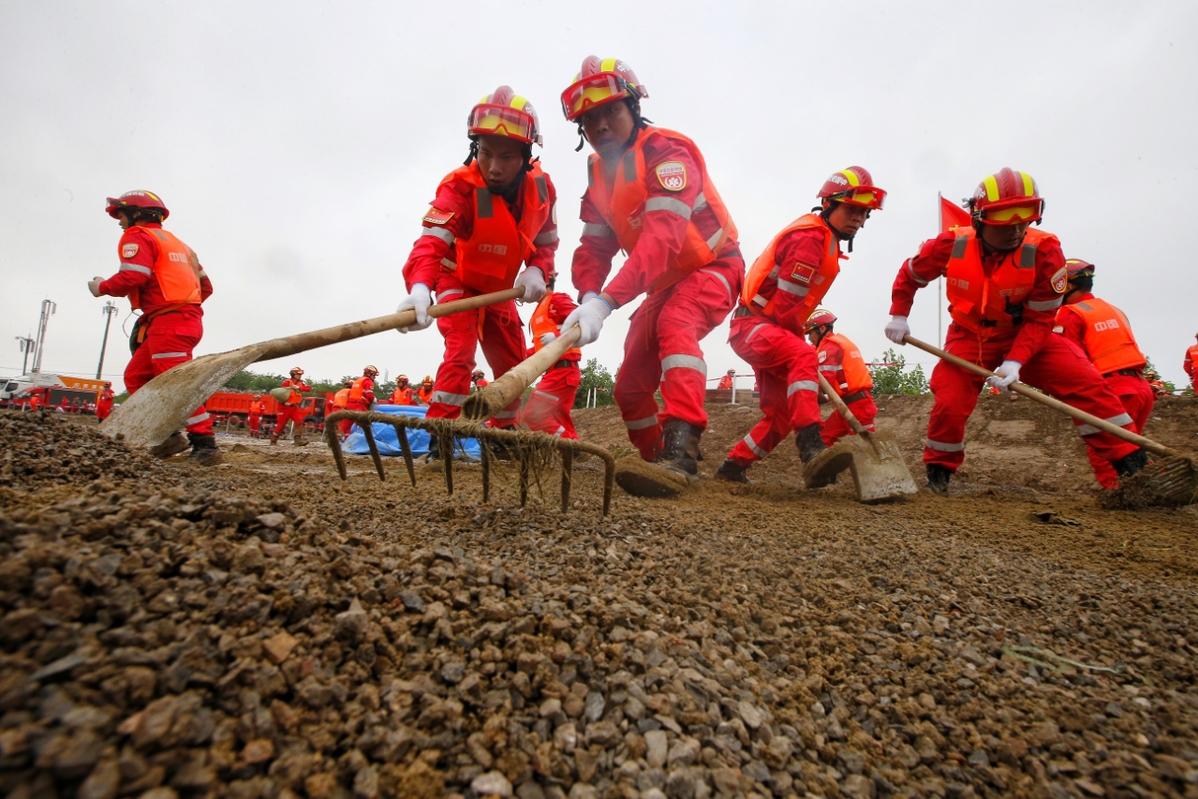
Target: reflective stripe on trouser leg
x,y
637,380
451,386
955,394
773,427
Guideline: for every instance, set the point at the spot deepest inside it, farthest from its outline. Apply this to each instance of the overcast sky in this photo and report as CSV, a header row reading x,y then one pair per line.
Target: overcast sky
x,y
298,144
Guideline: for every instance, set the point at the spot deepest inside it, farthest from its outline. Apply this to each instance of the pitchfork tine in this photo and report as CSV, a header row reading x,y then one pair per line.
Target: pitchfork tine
x,y
485,457
523,477
567,476
368,432
401,432
609,482
445,443
330,437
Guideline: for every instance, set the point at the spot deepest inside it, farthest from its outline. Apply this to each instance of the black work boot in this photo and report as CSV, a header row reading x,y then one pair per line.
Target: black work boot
x,y
809,442
173,445
203,449
938,477
1130,464
732,472
680,447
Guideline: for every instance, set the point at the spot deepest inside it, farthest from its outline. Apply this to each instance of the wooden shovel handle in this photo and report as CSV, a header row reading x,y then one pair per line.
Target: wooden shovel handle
x,y
301,342
841,408
1052,402
506,389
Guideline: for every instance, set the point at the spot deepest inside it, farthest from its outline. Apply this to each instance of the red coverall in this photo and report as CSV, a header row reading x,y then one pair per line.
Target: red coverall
x,y
497,327
171,332
662,346
290,411
1049,362
1133,390
104,404
1190,364
254,419
548,406
353,404
783,362
831,365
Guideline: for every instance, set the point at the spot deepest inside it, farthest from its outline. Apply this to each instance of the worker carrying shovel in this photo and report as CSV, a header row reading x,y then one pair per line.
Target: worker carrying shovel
x,y
162,278
841,364
783,287
1005,282
488,217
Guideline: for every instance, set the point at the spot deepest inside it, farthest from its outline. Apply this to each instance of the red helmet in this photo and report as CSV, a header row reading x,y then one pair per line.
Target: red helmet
x,y
138,198
1076,267
370,371
504,113
1008,197
818,318
401,377
478,373
599,82
853,185
296,370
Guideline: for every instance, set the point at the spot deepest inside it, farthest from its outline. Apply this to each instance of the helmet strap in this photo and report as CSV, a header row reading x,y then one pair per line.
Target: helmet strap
x,y
825,214
473,154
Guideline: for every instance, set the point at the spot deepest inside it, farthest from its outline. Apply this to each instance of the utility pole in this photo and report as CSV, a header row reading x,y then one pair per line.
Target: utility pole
x,y
109,309
26,345
48,309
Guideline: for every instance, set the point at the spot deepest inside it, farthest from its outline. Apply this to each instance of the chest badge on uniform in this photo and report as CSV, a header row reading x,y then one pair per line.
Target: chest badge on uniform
x,y
435,216
128,250
671,175
1060,281
823,355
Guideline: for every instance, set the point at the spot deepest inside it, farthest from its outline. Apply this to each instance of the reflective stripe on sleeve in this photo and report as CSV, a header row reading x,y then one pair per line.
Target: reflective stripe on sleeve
x,y
835,367
802,385
684,362
128,267
753,332
1045,305
671,204
438,232
597,229
159,355
721,278
919,281
792,288
549,237
449,264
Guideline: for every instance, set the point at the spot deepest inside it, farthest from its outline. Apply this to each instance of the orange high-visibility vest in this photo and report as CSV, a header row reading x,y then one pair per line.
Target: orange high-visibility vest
x,y
1192,359
358,390
991,305
341,398
296,386
622,203
425,395
1107,336
542,323
818,282
402,396
856,373
491,257
176,269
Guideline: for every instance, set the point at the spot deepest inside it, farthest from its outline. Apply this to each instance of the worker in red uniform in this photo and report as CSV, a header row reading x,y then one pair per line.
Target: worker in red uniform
x,y
1005,282
1104,335
254,417
403,394
841,364
163,278
725,383
783,287
548,406
104,402
489,217
290,410
649,194
424,392
1190,364
478,380
360,396
37,402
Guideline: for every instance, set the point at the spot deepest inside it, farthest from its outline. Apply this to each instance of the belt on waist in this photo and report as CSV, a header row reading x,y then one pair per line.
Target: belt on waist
x,y
742,310
856,395
1129,372
565,364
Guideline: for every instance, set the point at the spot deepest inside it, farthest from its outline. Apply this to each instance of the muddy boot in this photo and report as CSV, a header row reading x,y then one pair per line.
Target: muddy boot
x,y
680,447
938,477
732,472
299,440
274,437
171,446
676,465
1130,464
203,449
809,442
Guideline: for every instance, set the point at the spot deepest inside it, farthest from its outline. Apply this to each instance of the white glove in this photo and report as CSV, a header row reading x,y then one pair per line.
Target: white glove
x,y
589,317
547,338
587,295
419,300
897,329
1004,375
532,280
93,285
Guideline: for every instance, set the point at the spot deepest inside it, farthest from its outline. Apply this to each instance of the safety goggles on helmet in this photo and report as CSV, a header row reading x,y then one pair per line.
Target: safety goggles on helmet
x,y
1013,214
489,119
871,198
593,91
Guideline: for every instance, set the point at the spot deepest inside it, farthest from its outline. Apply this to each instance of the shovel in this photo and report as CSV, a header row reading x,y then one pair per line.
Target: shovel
x,y
1171,481
879,471
160,407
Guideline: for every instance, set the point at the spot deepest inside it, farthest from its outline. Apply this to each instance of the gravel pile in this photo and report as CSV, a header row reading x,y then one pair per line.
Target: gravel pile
x,y
40,450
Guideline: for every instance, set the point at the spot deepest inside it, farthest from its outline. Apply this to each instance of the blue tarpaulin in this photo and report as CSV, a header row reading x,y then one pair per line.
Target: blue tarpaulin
x,y
385,436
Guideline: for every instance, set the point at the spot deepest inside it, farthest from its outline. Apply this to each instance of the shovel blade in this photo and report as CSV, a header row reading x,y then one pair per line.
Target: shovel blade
x,y
161,406
879,471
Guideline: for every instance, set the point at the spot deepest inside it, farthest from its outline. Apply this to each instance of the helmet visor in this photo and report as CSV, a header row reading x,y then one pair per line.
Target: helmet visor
x,y
594,90
500,120
1012,214
867,197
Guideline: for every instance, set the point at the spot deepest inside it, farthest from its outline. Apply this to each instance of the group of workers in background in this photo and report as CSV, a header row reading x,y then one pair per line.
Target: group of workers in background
x,y
492,226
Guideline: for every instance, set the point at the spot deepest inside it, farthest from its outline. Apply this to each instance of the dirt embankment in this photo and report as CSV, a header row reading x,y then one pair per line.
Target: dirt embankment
x,y
263,629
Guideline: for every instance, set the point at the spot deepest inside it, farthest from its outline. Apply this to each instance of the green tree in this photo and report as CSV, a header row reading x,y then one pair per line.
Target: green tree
x,y
1151,373
594,375
891,376
252,381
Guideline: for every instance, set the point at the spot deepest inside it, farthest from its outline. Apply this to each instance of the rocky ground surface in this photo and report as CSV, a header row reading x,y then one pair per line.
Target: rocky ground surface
x,y
261,629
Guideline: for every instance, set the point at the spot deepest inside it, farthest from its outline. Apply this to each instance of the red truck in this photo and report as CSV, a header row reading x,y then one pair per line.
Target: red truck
x,y
234,406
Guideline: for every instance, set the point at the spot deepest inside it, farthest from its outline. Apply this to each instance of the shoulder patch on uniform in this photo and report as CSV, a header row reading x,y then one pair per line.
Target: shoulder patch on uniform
x,y
671,175
823,355
435,216
802,273
1060,281
129,249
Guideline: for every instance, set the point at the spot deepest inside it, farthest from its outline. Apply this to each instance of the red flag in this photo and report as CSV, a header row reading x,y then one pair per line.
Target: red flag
x,y
951,215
